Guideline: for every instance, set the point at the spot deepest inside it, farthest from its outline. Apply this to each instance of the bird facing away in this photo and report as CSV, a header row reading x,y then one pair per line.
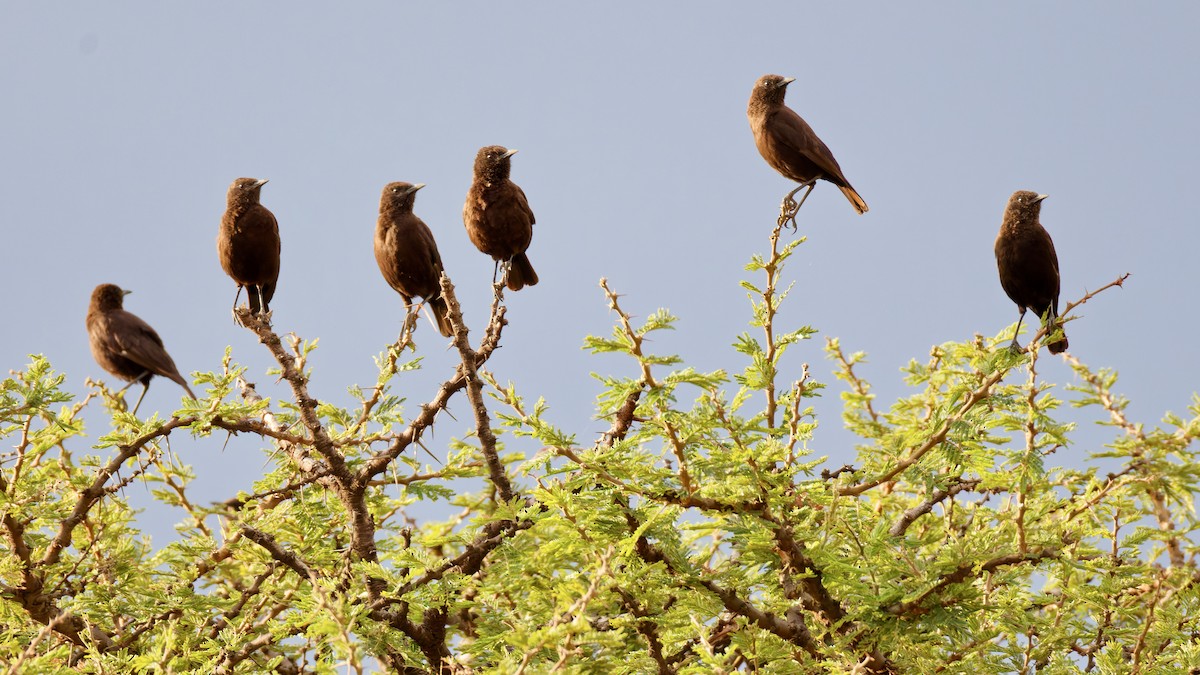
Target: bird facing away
x,y
407,254
498,218
248,243
126,346
1027,262
791,147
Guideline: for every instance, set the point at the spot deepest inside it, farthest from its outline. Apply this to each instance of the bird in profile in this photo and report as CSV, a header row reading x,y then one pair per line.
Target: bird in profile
x,y
126,346
1028,264
248,244
498,218
407,253
791,147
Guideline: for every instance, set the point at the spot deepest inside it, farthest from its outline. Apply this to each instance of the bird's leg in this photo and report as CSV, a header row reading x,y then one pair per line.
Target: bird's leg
x,y
237,297
145,388
495,271
790,208
506,266
133,382
264,310
1015,346
410,325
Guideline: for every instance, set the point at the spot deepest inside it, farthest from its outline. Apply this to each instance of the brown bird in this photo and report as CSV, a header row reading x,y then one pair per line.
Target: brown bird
x,y
1027,262
498,218
407,254
248,244
126,346
791,147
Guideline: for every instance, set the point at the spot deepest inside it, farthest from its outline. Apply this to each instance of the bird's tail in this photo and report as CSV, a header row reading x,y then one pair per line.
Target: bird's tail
x,y
520,273
441,314
856,201
183,383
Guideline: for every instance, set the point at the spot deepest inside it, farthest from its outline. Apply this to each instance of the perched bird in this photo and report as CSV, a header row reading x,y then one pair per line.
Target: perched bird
x,y
248,244
1027,262
407,254
126,346
791,147
497,215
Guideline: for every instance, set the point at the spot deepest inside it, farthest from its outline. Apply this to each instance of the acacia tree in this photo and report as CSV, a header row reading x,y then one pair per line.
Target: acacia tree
x,y
698,534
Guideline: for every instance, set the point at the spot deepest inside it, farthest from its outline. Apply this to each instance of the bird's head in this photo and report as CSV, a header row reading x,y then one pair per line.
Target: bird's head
x,y
771,89
108,297
1024,205
1026,200
399,196
492,163
246,190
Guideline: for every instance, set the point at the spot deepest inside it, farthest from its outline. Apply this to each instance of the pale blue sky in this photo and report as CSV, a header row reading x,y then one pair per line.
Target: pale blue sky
x,y
123,125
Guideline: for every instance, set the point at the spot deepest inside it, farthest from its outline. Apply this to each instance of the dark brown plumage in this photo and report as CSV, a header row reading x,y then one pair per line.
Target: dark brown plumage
x,y
790,146
126,346
407,253
248,243
1027,262
498,218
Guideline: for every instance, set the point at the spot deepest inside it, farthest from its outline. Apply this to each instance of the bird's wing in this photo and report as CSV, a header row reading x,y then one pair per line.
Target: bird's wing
x,y
137,341
429,244
265,220
791,130
1054,261
523,203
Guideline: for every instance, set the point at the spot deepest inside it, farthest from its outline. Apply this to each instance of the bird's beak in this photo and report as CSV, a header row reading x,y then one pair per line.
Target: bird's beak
x,y
787,81
510,153
414,188
1040,198
124,292
261,182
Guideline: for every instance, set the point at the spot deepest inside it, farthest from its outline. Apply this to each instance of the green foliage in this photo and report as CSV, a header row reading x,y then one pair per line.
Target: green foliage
x,y
699,534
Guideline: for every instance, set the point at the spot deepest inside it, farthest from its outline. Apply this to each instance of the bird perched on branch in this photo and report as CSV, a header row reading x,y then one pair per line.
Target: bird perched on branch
x,y
407,253
126,346
248,244
1027,262
791,147
498,218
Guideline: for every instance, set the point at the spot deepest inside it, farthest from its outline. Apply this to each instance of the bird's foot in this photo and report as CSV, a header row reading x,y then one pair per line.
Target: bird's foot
x,y
788,211
1015,348
505,268
790,208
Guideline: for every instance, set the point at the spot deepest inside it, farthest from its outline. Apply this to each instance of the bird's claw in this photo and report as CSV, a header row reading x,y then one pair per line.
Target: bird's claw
x,y
790,208
788,211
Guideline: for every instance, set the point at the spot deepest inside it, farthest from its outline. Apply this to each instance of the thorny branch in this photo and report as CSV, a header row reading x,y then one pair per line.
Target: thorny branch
x,y
966,571
770,306
470,373
911,515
